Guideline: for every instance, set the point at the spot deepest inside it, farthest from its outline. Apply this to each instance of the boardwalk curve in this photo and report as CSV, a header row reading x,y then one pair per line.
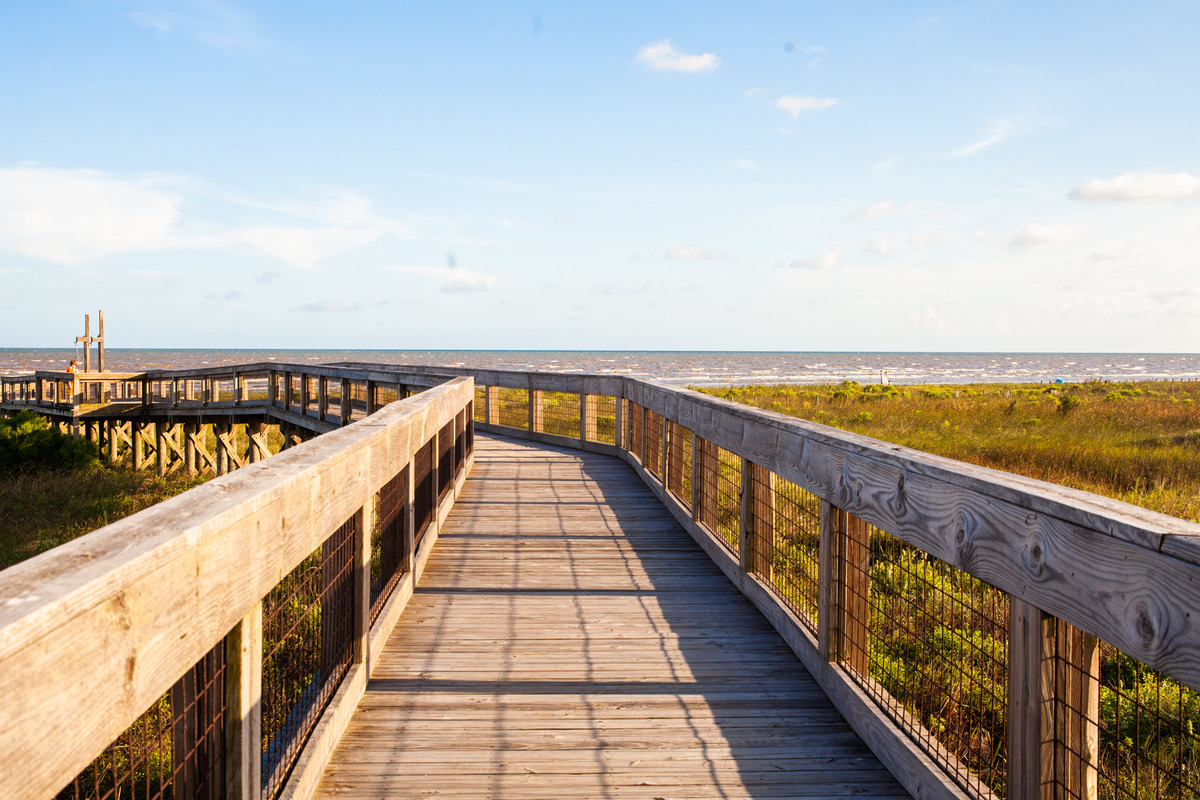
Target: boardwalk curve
x,y
569,640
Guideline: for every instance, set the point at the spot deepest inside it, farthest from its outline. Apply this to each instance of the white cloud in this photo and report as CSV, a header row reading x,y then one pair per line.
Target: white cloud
x,y
70,216
876,210
755,91
830,261
663,57
686,252
997,134
455,279
882,244
794,105
220,25
1135,187
1037,236
303,247
743,163
646,288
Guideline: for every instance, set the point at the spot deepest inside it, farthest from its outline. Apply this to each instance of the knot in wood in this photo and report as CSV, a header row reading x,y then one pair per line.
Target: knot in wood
x,y
1035,557
1145,625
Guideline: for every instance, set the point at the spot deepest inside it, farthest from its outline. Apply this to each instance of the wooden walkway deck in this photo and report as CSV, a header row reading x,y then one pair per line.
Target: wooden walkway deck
x,y
569,640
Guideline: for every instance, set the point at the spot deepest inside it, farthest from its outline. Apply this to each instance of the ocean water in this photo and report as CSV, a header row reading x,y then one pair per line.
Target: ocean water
x,y
682,368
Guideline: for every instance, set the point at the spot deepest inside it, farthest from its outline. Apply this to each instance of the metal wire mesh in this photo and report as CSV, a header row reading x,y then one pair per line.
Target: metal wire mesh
x,y
387,540
785,541
424,482
635,417
560,414
445,459
176,749
679,463
601,423
514,408
719,473
928,643
308,621
652,444
480,404
462,422
1119,729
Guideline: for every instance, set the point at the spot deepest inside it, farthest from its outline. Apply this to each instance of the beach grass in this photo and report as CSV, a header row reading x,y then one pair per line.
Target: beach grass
x,y
1136,442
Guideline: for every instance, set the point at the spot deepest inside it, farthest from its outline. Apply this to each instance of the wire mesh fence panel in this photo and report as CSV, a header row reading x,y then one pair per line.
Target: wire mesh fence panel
x,y
461,424
308,621
635,417
560,414
385,394
1118,728
423,488
480,405
679,463
445,459
175,750
719,473
652,444
785,541
387,540
601,423
514,408
929,644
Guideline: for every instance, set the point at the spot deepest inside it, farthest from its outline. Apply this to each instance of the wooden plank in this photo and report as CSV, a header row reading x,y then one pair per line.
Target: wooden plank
x,y
524,666
93,632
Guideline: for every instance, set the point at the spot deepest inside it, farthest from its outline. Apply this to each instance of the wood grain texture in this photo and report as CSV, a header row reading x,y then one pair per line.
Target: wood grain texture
x,y
567,639
96,630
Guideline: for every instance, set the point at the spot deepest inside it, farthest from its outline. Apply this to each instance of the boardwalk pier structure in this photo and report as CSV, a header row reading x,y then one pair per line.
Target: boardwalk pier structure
x,y
399,608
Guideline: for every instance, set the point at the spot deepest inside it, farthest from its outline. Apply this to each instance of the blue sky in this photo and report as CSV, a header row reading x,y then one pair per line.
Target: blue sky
x,y
791,176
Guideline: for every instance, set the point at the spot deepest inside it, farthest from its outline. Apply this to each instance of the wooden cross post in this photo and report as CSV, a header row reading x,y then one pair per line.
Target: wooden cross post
x,y
87,340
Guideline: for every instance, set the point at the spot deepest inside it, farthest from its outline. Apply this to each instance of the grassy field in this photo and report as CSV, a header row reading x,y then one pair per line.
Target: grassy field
x,y
41,510
1137,442
938,639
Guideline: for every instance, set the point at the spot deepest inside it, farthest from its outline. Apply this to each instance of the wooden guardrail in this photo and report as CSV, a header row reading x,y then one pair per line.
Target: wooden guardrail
x,y
987,635
959,617
223,636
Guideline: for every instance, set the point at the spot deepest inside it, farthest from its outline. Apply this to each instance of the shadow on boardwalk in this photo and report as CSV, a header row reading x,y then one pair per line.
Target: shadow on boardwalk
x,y
569,640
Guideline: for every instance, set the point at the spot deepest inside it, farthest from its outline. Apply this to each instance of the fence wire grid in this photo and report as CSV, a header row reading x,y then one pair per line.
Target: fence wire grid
x,y
785,537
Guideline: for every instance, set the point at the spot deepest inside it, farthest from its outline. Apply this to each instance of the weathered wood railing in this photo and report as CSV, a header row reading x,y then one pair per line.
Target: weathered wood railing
x,y
234,625
169,418
958,616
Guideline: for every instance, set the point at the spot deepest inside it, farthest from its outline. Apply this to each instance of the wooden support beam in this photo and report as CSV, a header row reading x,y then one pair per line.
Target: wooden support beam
x,y
243,708
843,578
347,402
491,403
762,523
137,444
536,410
256,432
322,397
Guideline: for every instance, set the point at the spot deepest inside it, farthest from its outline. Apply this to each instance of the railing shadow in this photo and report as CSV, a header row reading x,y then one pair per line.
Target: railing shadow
x,y
569,636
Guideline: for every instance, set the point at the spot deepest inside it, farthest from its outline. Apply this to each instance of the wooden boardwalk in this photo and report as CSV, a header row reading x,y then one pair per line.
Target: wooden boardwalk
x,y
569,640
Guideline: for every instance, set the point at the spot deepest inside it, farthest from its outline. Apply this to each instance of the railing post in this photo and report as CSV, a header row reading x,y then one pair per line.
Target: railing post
x,y
322,397
587,416
347,402
761,527
408,547
491,405
746,517
1027,633
843,576
1053,707
362,583
160,448
619,422
695,478
243,707
239,388
536,412
372,401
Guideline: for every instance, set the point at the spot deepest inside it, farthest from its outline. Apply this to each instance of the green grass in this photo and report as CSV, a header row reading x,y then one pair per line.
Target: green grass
x,y
1139,443
938,640
41,510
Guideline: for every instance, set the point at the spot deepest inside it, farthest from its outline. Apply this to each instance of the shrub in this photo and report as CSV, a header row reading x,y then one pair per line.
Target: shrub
x,y
28,443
